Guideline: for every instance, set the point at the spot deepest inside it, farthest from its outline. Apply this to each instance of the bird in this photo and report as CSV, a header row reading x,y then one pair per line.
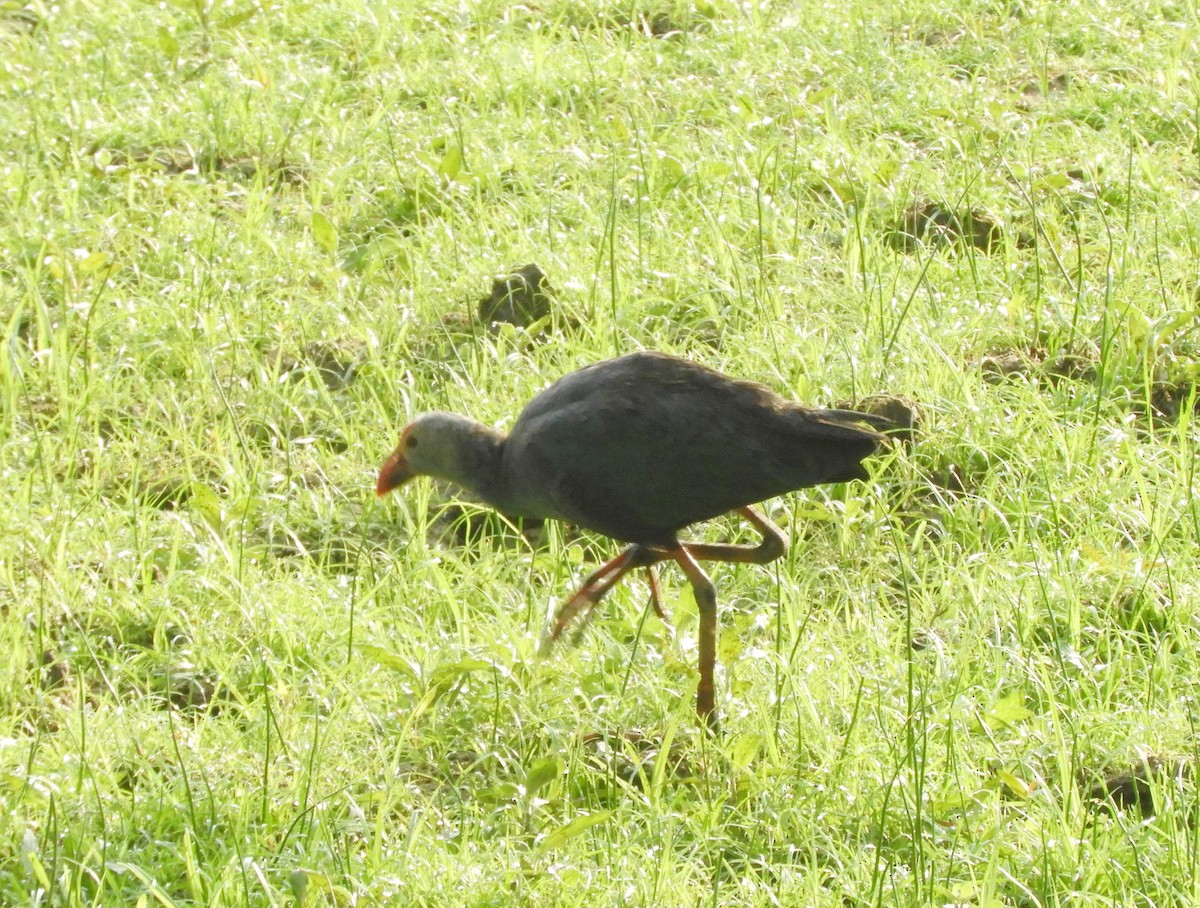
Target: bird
x,y
638,448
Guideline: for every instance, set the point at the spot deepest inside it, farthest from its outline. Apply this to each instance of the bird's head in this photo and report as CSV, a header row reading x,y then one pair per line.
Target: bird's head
x,y
444,445
396,470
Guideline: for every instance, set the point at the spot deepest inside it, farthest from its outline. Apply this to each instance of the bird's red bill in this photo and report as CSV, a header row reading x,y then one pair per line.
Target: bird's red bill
x,y
393,474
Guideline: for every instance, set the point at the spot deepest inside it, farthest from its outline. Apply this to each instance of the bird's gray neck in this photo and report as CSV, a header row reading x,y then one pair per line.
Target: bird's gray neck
x,y
479,466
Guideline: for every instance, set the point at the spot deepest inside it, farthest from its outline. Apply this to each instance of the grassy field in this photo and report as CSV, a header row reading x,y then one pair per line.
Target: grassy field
x,y
242,242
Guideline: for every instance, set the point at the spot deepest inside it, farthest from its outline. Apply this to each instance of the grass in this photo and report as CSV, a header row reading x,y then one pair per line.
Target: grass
x,y
243,242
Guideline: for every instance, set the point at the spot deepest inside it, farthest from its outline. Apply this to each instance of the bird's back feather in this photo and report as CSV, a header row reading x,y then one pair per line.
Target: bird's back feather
x,y
641,446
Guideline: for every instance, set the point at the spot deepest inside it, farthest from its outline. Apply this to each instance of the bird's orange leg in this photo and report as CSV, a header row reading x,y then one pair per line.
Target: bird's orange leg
x,y
706,604
656,596
774,543
603,579
687,556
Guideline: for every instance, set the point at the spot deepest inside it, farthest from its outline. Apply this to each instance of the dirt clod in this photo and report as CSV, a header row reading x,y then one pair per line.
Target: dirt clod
x,y
520,298
1134,788
929,224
